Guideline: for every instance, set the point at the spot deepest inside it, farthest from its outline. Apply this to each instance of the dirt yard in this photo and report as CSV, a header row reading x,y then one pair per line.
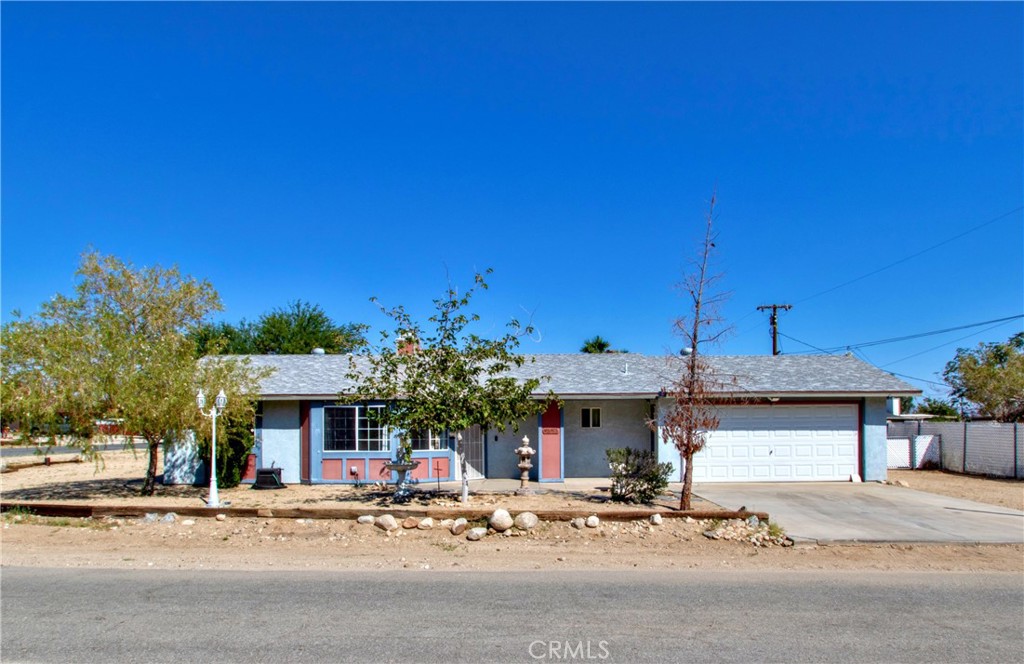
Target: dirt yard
x,y
119,480
277,543
994,491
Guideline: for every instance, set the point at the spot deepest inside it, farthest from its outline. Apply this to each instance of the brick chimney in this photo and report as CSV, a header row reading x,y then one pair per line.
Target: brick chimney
x,y
407,344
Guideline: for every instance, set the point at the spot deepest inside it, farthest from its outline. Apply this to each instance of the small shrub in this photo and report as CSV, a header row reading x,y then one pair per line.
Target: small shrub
x,y
637,477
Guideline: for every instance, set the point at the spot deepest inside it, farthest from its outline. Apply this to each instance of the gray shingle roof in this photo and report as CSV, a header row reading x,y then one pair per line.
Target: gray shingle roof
x,y
619,374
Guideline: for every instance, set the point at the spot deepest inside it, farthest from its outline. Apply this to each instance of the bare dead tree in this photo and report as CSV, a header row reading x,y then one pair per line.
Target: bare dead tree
x,y
693,413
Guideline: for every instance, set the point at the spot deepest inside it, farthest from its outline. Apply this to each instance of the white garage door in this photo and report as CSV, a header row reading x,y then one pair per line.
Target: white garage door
x,y
780,443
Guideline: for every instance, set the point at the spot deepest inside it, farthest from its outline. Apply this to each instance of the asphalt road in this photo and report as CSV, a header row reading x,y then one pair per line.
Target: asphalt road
x,y
60,615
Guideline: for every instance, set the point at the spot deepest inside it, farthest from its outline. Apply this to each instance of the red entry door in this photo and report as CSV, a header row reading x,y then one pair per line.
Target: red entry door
x,y
551,444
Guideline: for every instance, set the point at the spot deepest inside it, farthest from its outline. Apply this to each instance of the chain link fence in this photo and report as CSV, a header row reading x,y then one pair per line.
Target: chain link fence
x,y
976,448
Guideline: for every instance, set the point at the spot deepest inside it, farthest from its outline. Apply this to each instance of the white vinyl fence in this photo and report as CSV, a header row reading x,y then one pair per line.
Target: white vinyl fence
x,y
976,448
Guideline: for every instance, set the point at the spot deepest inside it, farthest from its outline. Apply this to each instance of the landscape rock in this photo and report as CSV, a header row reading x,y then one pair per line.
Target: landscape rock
x,y
475,534
753,521
578,523
592,521
459,526
410,522
425,524
366,519
656,519
526,521
170,517
446,523
221,517
736,529
500,520
188,522
151,517
386,522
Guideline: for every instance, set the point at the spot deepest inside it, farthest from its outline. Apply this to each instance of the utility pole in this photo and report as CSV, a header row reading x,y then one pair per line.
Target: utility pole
x,y
774,320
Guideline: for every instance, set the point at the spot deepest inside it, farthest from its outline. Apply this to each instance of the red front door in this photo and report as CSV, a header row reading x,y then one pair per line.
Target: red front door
x,y
551,444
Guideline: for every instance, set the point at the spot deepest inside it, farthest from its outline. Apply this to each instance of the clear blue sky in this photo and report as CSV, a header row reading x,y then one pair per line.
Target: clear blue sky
x,y
331,152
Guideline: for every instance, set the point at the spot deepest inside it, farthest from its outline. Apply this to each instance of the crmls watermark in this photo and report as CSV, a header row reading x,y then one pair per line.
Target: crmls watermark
x,y
569,650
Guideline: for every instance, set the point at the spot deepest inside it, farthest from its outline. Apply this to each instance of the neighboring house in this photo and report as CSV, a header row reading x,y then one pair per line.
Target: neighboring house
x,y
785,418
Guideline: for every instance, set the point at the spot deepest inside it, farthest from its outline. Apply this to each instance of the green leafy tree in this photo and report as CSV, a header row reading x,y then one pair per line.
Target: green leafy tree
x,y
940,408
119,348
224,339
991,376
302,327
693,413
443,378
235,441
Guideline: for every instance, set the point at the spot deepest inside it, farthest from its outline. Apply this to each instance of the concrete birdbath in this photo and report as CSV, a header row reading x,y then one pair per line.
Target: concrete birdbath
x,y
403,492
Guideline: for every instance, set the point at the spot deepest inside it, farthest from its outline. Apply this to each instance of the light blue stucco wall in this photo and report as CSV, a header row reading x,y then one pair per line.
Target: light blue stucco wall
x,y
499,449
623,424
874,439
666,448
280,439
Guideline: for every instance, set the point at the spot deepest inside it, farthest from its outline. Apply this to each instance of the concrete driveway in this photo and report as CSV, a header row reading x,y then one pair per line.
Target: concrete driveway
x,y
869,512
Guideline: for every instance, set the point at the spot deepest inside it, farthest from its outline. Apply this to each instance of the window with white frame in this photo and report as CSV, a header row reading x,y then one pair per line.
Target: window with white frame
x,y
427,440
590,418
353,428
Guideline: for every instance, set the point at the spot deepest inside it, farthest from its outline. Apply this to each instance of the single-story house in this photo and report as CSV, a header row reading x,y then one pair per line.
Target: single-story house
x,y
783,418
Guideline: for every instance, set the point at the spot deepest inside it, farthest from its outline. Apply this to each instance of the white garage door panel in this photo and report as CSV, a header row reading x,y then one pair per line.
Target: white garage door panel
x,y
780,443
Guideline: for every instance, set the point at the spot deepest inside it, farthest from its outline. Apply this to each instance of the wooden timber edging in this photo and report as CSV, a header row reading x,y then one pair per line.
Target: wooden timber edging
x,y
84,510
18,465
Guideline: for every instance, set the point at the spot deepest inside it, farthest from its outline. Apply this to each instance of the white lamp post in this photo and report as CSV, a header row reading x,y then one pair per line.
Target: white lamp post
x,y
218,405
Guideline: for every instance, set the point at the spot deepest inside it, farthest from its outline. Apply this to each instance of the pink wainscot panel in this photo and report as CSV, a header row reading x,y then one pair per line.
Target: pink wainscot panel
x,y
422,471
378,471
360,467
333,469
439,467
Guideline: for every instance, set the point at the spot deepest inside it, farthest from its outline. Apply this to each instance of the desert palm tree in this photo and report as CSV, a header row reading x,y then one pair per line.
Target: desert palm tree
x,y
595,344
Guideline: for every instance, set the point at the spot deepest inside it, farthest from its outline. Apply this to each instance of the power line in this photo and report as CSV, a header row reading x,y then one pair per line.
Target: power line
x,y
953,341
923,334
923,380
852,347
915,255
885,267
805,343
